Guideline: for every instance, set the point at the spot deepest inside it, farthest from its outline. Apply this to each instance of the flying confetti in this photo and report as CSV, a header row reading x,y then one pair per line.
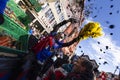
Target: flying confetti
x,y
89,0
79,46
101,50
81,51
100,58
111,6
105,62
95,16
118,11
98,42
111,26
111,33
106,47
110,13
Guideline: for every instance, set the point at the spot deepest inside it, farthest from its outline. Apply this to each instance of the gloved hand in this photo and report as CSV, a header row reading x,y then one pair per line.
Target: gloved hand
x,y
72,20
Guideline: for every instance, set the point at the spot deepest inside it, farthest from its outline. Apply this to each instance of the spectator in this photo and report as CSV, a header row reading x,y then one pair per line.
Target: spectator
x,y
82,70
103,75
44,48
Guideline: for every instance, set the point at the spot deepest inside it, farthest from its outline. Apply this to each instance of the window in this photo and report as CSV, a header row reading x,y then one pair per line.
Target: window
x,y
61,17
49,15
57,5
45,5
39,26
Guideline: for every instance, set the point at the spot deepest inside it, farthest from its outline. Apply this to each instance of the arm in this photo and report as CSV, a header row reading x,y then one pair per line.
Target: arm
x,y
71,42
61,44
56,27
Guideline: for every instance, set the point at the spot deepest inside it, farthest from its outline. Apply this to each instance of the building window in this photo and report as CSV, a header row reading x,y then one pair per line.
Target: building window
x,y
45,6
53,24
21,4
49,15
61,17
38,26
57,6
30,15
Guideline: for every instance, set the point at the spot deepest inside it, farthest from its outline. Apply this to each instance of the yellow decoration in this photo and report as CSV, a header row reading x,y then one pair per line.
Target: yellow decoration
x,y
92,29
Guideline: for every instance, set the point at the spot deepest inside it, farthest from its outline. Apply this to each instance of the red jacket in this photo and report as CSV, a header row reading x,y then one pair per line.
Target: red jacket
x,y
42,44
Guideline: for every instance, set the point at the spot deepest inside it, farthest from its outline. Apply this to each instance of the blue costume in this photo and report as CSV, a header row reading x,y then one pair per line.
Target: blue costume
x,y
43,48
2,6
46,52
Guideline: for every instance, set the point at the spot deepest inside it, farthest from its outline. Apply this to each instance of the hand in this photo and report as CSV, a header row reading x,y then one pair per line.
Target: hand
x,y
72,20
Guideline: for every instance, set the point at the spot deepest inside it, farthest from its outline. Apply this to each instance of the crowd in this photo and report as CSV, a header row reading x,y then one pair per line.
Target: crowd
x,y
81,69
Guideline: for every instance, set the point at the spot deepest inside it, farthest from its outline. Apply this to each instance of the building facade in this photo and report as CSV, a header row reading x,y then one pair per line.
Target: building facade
x,y
43,17
73,9
49,15
55,12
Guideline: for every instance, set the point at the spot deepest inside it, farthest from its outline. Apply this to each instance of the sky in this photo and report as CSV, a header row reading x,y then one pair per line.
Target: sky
x,y
105,49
